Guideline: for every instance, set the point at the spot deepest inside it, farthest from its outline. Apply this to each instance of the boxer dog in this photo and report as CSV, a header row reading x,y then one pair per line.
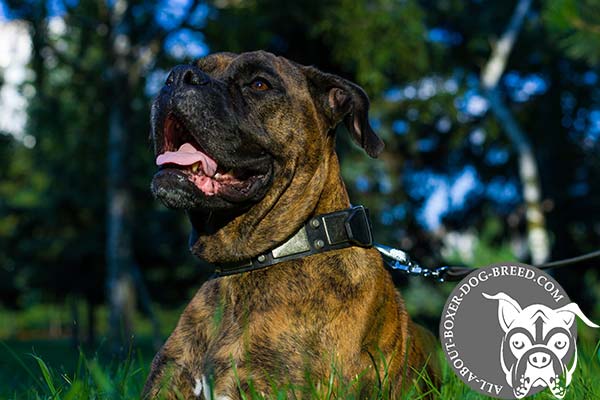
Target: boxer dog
x,y
245,145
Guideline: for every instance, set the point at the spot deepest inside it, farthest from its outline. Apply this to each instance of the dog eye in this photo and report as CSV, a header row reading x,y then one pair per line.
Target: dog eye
x,y
517,344
260,85
560,344
559,341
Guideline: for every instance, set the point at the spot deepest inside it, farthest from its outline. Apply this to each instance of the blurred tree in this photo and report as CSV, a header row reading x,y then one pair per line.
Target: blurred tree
x,y
89,61
577,25
528,169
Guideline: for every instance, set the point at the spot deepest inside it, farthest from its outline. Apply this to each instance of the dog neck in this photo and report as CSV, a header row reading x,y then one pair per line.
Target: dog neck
x,y
234,238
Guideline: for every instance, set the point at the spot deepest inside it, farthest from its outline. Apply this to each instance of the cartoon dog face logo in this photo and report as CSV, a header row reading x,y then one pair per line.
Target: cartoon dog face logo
x,y
537,345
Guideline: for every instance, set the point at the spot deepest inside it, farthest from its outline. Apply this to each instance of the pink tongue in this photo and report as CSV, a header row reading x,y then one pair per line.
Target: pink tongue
x,y
188,155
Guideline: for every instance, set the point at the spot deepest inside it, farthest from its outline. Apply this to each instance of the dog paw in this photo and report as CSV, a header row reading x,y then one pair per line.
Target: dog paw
x,y
202,390
198,388
523,388
557,386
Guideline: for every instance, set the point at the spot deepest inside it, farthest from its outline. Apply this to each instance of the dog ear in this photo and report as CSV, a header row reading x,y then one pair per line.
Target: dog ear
x,y
341,100
508,309
568,313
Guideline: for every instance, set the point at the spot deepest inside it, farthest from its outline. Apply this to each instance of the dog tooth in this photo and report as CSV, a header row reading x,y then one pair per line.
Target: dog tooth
x,y
195,167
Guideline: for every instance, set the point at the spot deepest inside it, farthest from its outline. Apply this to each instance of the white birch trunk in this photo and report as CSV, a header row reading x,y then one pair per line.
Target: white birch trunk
x,y
537,235
119,258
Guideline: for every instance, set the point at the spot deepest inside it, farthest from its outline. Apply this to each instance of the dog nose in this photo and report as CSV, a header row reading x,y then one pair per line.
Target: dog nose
x,y
539,359
187,75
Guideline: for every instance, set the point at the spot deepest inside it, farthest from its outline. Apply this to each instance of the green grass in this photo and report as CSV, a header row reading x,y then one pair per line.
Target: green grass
x,y
52,370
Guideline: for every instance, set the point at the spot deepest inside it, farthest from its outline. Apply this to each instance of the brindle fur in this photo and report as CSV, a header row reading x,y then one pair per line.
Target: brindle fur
x,y
300,316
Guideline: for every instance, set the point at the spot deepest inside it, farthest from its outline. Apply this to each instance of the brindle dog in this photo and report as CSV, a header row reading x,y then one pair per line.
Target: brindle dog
x,y
246,146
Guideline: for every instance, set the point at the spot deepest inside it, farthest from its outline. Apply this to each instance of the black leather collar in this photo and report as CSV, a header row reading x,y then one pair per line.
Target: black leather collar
x,y
322,233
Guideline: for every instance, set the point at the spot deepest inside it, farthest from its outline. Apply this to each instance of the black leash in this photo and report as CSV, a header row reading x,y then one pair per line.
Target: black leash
x,y
569,261
399,260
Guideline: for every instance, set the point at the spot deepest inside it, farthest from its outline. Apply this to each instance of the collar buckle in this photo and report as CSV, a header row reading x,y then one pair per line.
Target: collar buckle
x,y
358,227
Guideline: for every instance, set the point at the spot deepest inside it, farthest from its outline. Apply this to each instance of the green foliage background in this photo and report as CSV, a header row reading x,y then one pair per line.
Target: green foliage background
x,y
53,196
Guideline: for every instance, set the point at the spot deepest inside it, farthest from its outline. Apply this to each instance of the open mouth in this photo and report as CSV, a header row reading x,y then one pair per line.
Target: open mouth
x,y
182,152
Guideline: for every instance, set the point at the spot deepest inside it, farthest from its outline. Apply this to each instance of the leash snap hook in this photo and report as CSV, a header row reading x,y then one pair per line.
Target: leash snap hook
x,y
439,274
400,260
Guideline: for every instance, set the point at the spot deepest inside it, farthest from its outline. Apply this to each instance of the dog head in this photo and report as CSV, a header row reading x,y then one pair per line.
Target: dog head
x,y
245,143
538,344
